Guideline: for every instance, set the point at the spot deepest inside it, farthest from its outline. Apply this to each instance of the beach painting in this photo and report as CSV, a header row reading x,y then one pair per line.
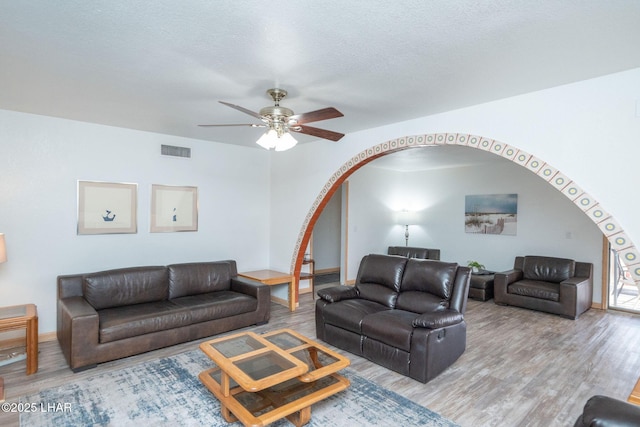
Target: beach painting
x,y
491,214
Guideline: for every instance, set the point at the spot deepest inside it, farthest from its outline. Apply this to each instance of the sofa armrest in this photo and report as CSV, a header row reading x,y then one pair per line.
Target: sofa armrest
x,y
576,281
76,307
438,319
501,282
78,330
338,293
254,289
260,292
606,411
508,277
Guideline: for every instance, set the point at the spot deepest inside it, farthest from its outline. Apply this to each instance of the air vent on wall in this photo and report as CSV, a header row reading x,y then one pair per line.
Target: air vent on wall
x,y
172,150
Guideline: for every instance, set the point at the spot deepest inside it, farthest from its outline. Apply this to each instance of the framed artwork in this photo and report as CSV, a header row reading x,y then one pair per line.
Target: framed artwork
x,y
173,208
491,214
107,208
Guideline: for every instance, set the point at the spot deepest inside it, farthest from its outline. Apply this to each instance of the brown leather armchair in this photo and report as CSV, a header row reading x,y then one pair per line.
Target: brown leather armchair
x,y
554,285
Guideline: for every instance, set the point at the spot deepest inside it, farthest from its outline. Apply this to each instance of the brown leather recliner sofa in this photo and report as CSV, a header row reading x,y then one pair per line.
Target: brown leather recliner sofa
x,y
405,314
112,314
554,285
413,252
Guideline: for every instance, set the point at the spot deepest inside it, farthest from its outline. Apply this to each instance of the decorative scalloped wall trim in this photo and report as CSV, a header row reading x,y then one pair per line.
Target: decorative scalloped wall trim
x,y
607,224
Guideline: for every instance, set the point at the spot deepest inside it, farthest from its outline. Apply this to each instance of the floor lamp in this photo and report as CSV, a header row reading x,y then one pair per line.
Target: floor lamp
x,y
406,218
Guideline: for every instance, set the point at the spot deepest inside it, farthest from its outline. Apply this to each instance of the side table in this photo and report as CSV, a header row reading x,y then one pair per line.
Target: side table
x,y
310,275
19,317
271,278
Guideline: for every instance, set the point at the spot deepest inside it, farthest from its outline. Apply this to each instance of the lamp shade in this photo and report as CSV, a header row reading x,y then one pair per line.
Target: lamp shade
x,y
406,218
3,249
285,142
268,139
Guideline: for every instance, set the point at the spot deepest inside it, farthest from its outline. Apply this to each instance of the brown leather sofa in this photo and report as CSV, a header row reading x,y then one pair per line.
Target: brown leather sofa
x,y
554,285
405,314
118,313
603,411
413,252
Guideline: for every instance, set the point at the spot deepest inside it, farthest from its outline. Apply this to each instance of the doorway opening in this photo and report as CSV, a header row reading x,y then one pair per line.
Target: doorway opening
x,y
593,210
624,292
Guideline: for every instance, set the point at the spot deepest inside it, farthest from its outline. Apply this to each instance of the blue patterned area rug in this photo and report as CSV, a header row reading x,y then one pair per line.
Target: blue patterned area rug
x,y
167,392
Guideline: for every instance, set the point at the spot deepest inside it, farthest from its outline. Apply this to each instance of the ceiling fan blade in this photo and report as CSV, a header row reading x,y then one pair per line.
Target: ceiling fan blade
x,y
321,133
316,116
253,125
244,110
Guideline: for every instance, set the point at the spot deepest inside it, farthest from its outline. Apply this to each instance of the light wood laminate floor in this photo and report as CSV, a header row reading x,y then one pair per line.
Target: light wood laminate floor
x,y
521,367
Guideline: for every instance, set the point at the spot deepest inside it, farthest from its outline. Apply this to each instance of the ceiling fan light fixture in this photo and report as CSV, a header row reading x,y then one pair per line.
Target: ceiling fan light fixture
x,y
280,121
285,142
280,141
268,139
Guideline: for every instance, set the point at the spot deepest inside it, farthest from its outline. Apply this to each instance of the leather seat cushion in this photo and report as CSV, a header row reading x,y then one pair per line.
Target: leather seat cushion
x,y
429,276
125,286
133,320
420,302
391,327
537,289
382,269
547,269
216,305
378,293
198,278
348,314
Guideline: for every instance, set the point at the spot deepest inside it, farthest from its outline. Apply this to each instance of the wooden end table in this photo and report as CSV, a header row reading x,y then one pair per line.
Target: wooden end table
x,y
273,277
260,379
19,317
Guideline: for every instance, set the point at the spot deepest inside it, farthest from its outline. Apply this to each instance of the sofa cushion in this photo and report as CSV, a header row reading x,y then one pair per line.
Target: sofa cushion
x,y
348,314
434,277
198,278
392,327
535,288
134,320
125,286
216,305
548,269
382,270
378,293
420,302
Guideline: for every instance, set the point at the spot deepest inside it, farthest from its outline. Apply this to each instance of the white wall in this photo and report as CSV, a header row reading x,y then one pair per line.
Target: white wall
x,y
41,160
253,204
588,130
326,235
545,216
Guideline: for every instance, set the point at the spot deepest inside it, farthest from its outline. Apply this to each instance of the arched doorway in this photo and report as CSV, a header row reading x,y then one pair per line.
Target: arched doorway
x,y
617,238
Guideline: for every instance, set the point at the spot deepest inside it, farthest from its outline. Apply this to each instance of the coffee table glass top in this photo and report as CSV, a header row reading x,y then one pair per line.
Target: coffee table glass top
x,y
253,362
289,392
264,365
13,311
284,339
237,345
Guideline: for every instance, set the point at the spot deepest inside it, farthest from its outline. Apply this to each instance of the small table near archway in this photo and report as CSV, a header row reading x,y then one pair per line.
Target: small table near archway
x,y
273,277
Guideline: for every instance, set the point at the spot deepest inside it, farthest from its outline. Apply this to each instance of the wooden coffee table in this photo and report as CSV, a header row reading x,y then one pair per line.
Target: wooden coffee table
x,y
260,379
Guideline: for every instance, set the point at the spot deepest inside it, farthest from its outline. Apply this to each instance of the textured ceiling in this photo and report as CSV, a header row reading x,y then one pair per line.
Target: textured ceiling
x,y
161,66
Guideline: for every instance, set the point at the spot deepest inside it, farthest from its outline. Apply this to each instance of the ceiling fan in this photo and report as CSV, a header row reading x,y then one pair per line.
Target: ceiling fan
x,y
280,121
